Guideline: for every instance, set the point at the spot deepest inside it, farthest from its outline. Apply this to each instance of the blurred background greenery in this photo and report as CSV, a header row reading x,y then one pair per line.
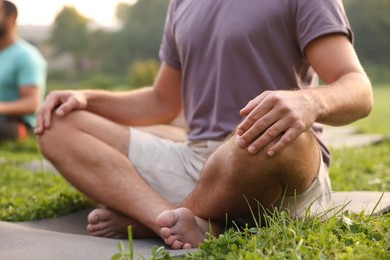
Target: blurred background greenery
x,y
83,55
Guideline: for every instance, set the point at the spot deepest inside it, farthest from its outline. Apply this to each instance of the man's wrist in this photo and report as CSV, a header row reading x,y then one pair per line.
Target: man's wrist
x,y
316,100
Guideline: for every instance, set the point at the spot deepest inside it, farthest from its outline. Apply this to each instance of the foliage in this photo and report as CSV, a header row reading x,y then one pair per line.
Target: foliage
x,y
347,236
27,195
108,50
19,151
143,73
140,36
138,39
99,81
377,121
379,74
363,168
142,28
90,81
158,253
104,52
342,236
370,22
123,254
70,34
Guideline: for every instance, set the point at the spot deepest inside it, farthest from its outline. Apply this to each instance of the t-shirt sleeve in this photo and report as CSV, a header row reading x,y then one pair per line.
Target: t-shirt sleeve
x,y
168,49
31,71
318,18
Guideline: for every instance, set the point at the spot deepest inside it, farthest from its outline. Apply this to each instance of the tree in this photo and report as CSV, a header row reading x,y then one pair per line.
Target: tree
x,y
141,33
144,24
138,39
70,35
370,21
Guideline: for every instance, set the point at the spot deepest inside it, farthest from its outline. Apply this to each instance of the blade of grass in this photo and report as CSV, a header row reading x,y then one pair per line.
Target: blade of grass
x,y
130,235
377,204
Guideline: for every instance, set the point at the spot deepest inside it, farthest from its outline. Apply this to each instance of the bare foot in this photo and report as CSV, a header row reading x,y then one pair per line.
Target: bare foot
x,y
103,222
180,228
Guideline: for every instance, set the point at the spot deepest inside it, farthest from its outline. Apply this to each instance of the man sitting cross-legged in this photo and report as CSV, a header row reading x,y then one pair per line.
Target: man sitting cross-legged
x,y
253,112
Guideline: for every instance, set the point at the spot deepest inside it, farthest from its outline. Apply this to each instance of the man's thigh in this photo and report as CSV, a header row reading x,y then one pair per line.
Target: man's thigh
x,y
89,125
171,168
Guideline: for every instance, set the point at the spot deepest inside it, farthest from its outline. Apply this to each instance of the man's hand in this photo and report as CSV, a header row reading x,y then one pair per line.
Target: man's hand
x,y
62,103
276,116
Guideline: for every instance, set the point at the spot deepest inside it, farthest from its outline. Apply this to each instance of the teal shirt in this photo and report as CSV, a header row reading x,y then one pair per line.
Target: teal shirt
x,y
21,64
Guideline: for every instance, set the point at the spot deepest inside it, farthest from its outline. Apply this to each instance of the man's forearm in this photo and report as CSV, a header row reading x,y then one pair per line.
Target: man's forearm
x,y
344,101
138,107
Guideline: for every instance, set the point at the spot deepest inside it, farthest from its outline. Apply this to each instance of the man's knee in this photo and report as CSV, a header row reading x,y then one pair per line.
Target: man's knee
x,y
299,163
299,160
235,166
60,131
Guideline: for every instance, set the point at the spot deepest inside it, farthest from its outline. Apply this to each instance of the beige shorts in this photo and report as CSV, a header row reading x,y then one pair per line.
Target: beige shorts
x,y
173,170
170,168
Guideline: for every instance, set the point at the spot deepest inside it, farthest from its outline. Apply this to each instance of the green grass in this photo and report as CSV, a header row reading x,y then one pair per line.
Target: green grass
x,y
364,168
26,150
348,236
27,195
379,120
343,236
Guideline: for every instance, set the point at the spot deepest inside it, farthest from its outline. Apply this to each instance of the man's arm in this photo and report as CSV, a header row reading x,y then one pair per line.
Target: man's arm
x,y
284,115
146,106
347,96
26,104
153,105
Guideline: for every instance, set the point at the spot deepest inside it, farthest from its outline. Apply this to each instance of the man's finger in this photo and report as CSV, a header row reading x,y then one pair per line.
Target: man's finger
x,y
66,107
269,135
256,124
287,138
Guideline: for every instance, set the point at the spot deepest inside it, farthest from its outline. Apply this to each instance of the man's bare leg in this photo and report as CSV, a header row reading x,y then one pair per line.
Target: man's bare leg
x,y
91,153
106,222
232,173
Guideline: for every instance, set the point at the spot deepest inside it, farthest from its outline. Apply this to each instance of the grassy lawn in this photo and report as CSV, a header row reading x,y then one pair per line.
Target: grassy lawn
x,y
379,120
26,195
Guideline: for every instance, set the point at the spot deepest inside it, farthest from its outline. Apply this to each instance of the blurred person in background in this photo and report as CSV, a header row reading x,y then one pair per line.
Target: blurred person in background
x,y
22,77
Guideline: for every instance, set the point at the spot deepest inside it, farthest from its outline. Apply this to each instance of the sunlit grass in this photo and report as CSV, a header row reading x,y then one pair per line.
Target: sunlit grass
x,y
363,168
347,236
379,120
28,195
342,236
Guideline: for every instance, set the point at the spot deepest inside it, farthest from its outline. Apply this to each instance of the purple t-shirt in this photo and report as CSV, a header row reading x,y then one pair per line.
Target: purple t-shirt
x,y
230,51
